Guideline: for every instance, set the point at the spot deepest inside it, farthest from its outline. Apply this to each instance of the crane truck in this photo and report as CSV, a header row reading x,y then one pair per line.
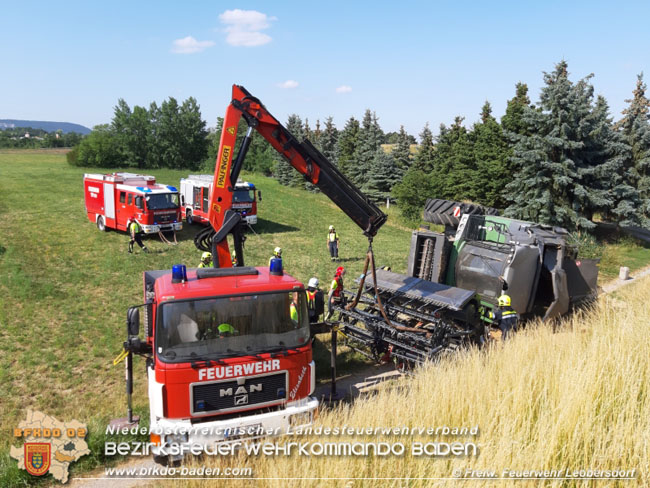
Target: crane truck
x,y
227,349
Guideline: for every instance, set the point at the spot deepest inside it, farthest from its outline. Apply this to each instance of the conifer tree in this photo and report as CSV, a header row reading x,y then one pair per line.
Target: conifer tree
x,y
328,141
347,145
425,156
512,120
283,171
402,152
558,164
635,129
370,139
491,153
383,176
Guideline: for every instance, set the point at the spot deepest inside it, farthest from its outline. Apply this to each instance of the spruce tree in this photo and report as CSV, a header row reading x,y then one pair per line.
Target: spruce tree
x,y
402,152
411,193
383,176
452,176
615,175
370,139
283,171
328,141
558,164
512,120
635,129
426,151
491,153
347,145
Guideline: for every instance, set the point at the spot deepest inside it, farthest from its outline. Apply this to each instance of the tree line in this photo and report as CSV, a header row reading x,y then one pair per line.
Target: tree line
x,y
31,138
560,161
171,135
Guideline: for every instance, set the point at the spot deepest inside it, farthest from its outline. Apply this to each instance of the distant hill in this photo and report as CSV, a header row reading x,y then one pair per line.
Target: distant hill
x,y
44,125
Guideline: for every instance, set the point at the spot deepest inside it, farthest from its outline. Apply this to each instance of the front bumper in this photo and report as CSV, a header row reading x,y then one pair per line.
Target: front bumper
x,y
154,229
184,434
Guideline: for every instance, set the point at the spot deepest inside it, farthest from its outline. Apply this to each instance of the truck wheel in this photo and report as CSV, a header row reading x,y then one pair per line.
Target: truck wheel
x,y
100,224
188,217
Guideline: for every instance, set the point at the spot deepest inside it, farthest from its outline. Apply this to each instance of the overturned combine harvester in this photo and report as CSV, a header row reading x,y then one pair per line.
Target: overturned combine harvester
x,y
454,280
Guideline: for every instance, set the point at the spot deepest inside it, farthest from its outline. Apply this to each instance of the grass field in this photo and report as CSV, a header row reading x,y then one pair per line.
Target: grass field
x,y
65,286
572,399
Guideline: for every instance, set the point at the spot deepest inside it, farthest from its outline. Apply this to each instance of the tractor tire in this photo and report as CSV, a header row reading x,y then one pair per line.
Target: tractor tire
x,y
101,225
188,217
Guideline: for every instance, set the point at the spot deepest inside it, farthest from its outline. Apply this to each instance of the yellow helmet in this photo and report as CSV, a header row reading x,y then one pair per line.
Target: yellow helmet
x,y
504,301
206,255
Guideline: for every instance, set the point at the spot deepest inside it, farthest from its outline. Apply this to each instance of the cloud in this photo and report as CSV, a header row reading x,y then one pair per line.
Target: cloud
x,y
243,27
189,45
289,84
344,89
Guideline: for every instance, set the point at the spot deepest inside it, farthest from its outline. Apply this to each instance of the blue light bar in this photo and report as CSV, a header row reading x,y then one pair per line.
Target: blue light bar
x,y
179,273
172,188
143,189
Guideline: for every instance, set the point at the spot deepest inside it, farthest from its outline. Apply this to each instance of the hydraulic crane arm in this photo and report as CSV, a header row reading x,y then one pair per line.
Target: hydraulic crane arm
x,y
301,155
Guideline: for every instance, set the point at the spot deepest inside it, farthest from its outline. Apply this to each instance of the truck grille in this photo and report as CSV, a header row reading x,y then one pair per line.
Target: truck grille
x,y
164,218
228,396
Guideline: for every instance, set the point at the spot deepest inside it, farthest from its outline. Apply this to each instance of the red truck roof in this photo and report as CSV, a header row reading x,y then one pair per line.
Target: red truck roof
x,y
194,287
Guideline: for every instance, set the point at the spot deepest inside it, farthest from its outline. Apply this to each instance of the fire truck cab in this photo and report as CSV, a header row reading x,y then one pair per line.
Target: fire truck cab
x,y
230,356
195,195
112,200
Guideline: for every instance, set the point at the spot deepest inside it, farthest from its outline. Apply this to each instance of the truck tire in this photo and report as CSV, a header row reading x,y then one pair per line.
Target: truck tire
x,y
101,225
188,217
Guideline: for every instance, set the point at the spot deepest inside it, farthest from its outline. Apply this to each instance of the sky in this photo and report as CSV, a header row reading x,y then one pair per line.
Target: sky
x,y
411,62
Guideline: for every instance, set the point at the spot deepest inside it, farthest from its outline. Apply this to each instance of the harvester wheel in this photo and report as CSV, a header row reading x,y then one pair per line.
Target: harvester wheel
x,y
188,217
100,224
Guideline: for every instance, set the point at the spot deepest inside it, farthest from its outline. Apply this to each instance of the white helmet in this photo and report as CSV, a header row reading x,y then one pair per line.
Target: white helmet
x,y
277,251
331,227
313,283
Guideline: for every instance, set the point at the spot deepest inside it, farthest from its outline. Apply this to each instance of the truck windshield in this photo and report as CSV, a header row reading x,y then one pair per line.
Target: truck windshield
x,y
231,326
159,201
243,196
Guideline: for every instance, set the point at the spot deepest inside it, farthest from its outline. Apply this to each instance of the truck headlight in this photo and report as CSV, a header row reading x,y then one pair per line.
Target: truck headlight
x,y
177,438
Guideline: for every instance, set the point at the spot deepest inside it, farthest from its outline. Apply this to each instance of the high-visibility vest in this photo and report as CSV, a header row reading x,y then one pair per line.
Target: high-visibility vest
x,y
337,286
332,236
134,227
293,312
311,300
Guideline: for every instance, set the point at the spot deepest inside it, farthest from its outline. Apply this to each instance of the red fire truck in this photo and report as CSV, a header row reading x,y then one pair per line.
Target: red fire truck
x,y
195,193
228,350
111,200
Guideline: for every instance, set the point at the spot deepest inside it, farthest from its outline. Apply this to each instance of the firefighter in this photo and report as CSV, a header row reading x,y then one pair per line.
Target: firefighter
x,y
293,308
333,243
505,317
135,230
206,260
233,259
335,294
277,253
315,300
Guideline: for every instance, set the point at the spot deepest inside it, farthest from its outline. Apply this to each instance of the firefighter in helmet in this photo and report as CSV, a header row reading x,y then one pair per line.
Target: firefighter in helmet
x,y
134,229
315,300
505,317
277,253
333,243
335,294
206,260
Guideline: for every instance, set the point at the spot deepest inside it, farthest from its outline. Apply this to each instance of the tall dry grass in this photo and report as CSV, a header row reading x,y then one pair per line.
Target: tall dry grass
x,y
575,398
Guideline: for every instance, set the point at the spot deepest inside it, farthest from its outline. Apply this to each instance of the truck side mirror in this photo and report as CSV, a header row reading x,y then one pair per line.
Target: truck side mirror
x,y
133,321
259,195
